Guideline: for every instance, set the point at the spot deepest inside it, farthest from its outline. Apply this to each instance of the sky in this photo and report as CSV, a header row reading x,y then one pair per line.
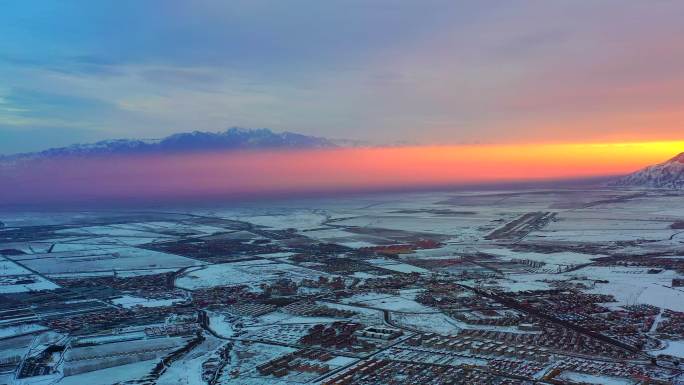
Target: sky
x,y
423,72
249,175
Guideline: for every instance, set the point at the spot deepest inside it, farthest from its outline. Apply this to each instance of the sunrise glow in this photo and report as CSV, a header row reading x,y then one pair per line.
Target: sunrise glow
x,y
264,173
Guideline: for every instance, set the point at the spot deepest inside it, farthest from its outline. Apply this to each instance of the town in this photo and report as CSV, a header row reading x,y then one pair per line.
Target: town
x,y
543,287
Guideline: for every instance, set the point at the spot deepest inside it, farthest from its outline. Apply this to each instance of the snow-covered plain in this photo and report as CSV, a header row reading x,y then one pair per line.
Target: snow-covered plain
x,y
584,378
397,303
112,375
632,286
129,301
587,225
673,348
16,279
103,259
251,273
392,265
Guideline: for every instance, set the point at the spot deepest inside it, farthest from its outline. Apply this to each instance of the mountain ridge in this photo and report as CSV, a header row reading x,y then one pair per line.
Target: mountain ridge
x,y
665,175
196,141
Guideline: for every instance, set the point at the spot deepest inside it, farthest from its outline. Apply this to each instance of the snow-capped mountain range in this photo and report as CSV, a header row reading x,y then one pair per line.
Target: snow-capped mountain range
x,y
197,141
666,175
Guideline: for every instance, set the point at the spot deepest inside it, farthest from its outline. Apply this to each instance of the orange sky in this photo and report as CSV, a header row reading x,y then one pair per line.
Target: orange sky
x,y
263,173
438,165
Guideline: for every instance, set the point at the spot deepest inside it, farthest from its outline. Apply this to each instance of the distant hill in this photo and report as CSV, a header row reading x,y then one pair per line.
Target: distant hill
x,y
667,175
230,139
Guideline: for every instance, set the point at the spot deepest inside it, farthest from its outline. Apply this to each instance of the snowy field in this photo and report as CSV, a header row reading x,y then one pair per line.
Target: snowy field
x,y
398,303
428,323
673,348
18,330
283,219
16,279
389,264
251,273
102,259
585,226
113,375
584,378
560,258
129,301
632,286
